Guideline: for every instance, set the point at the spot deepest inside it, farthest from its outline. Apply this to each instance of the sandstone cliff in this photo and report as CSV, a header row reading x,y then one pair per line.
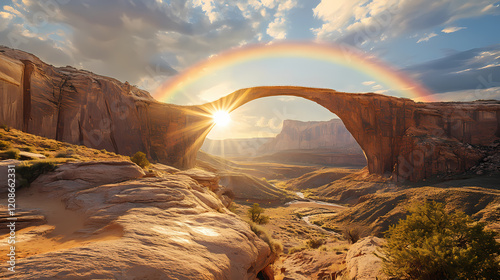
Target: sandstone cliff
x,y
79,107
327,135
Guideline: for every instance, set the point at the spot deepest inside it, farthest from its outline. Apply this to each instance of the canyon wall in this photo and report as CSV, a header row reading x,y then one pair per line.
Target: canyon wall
x,y
327,135
400,137
80,107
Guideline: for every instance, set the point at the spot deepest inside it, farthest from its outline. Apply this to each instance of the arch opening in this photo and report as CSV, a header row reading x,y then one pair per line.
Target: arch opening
x,y
286,130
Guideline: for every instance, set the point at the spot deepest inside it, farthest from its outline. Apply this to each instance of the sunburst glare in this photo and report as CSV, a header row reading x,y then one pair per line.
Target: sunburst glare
x,y
221,118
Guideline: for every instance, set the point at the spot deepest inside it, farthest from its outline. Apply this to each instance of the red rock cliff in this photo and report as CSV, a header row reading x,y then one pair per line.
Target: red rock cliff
x,y
79,107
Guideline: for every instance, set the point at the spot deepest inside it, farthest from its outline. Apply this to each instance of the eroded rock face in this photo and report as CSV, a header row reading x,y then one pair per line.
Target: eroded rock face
x,y
167,227
400,137
79,107
331,135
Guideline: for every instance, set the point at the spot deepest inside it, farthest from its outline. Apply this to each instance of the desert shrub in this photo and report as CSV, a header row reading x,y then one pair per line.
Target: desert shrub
x,y
433,244
4,145
296,249
315,243
352,233
28,149
275,245
29,171
140,159
11,154
68,153
255,213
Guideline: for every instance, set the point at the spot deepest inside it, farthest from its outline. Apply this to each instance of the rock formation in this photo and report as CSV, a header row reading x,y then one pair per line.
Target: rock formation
x,y
79,107
361,261
327,135
400,137
106,220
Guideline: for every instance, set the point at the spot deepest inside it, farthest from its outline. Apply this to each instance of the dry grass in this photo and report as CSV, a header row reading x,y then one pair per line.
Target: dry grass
x,y
52,149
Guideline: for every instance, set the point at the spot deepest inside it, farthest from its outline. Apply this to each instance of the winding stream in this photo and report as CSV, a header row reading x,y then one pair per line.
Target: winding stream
x,y
311,203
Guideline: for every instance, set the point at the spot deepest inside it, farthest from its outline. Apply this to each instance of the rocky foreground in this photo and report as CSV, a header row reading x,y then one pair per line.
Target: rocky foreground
x,y
118,222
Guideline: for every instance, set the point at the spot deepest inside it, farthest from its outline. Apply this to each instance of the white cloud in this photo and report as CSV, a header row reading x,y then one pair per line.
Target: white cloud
x,y
426,37
452,29
208,7
368,83
358,21
277,28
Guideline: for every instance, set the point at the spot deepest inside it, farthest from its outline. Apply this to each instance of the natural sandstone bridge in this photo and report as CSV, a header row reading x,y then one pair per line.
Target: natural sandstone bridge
x,y
399,137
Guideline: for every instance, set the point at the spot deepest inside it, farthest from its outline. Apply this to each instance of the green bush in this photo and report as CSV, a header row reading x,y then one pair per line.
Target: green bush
x,y
4,145
5,127
11,154
433,244
255,214
29,171
140,159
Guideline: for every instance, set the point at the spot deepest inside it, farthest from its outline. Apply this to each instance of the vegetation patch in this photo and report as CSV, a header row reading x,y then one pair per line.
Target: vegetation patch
x,y
140,159
275,245
434,244
255,213
30,170
4,145
10,154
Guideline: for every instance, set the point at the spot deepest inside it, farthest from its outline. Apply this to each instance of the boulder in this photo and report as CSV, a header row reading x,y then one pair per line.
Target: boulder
x,y
361,261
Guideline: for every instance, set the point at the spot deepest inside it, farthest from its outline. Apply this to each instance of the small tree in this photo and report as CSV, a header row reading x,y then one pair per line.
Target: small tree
x,y
140,159
433,244
255,214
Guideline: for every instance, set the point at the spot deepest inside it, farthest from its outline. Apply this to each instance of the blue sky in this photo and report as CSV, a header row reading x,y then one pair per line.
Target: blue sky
x,y
450,46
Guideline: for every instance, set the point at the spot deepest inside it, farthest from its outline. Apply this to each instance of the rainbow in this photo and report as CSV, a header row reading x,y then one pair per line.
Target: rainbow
x,y
337,54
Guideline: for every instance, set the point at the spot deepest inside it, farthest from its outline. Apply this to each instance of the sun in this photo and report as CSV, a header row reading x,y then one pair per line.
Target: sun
x,y
221,118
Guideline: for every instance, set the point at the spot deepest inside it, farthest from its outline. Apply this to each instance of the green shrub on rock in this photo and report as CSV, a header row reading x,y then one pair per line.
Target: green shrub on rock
x,y
433,244
140,159
256,216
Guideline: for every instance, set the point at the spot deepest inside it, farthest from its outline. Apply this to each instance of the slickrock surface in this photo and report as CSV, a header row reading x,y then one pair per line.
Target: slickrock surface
x,y
106,221
361,261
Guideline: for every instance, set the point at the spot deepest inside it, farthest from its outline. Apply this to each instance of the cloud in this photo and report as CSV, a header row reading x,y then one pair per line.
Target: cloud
x,y
141,41
368,83
452,29
473,69
277,29
359,21
427,37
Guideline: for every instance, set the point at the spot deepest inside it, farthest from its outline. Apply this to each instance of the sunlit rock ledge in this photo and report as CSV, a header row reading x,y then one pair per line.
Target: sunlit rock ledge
x,y
115,223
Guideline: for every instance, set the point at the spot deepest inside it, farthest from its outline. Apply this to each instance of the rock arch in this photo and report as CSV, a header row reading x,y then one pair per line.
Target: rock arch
x,y
401,138
374,132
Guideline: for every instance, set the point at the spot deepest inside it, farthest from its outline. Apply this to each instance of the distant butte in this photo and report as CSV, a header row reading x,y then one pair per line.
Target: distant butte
x,y
401,138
